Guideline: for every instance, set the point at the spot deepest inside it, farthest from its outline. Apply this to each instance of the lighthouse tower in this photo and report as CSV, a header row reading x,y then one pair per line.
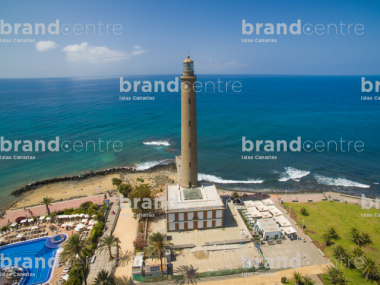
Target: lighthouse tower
x,y
189,154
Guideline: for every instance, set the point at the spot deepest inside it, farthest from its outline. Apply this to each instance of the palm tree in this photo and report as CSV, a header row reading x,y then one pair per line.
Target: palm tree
x,y
157,247
107,242
331,274
333,234
47,202
358,252
370,270
189,275
340,253
104,278
342,280
366,239
76,247
326,237
356,237
330,235
307,280
236,195
297,277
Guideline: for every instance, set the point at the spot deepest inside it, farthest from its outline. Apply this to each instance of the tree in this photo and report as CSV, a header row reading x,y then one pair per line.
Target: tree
x,y
304,212
307,280
366,239
333,234
236,195
107,242
356,237
86,206
370,270
340,253
157,247
297,277
76,248
358,252
116,181
327,238
142,199
330,235
331,273
342,280
189,274
47,202
125,189
104,278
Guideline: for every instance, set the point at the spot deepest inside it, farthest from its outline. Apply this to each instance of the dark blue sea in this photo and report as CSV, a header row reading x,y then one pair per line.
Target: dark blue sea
x,y
315,108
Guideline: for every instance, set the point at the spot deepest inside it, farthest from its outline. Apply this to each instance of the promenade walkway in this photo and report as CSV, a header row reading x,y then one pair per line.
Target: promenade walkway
x,y
41,210
102,260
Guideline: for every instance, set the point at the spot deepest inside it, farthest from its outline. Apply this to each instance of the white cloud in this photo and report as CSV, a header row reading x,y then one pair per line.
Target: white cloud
x,y
138,50
86,53
45,45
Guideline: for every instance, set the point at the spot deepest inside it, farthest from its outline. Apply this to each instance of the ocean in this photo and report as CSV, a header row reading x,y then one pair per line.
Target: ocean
x,y
268,108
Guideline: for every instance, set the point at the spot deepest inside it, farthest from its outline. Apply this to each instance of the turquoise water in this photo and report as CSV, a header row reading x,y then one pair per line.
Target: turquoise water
x,y
33,255
268,108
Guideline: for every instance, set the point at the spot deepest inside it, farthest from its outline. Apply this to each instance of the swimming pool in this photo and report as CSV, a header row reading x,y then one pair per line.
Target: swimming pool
x,y
34,256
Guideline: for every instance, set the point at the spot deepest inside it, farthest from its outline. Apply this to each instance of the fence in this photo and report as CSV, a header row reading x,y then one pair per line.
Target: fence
x,y
199,275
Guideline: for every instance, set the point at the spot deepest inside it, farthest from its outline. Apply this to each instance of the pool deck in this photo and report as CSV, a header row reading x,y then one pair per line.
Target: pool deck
x,y
41,210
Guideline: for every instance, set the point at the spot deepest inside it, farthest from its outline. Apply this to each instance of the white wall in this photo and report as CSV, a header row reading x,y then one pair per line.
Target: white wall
x,y
272,234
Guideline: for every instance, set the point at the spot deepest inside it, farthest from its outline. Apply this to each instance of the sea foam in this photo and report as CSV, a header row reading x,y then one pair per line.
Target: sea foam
x,y
339,182
165,143
216,179
293,173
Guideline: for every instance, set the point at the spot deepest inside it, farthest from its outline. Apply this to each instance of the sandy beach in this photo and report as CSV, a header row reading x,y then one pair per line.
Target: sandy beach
x,y
88,187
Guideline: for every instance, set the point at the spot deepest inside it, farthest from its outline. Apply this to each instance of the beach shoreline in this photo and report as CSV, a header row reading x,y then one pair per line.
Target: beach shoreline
x,y
95,183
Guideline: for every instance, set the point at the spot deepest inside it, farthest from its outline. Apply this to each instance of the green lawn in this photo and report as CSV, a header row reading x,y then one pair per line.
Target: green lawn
x,y
341,216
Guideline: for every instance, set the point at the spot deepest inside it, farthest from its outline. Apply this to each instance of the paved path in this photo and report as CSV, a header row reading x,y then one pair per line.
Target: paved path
x,y
41,210
126,231
102,258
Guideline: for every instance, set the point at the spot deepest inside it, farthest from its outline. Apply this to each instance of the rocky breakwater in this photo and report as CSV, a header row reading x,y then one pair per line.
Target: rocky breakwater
x,y
92,174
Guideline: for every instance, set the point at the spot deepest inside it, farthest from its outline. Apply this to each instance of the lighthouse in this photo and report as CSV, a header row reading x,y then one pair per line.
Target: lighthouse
x,y
189,155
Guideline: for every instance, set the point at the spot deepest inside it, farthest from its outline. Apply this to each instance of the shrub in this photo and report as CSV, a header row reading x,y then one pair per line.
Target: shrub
x,y
304,212
140,180
139,243
5,228
283,280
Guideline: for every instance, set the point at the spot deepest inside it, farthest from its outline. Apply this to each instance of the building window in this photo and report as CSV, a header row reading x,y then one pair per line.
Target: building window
x,y
189,184
189,123
189,100
189,144
189,164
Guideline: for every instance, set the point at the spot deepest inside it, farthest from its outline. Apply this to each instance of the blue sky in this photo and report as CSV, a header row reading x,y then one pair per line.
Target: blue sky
x,y
156,36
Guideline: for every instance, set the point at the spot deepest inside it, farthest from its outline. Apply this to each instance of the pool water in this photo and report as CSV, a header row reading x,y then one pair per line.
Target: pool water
x,y
33,255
